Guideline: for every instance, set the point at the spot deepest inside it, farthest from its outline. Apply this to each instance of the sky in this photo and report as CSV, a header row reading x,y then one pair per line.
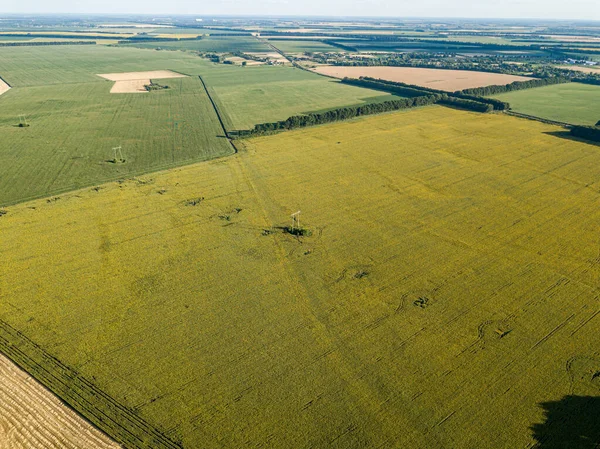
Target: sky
x,y
543,9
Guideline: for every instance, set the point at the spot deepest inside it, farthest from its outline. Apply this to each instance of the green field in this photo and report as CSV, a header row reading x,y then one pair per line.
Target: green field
x,y
446,296
75,121
481,40
218,44
250,95
571,103
303,46
16,38
75,126
35,66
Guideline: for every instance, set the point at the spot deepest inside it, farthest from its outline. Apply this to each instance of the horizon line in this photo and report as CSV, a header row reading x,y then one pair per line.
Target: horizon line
x,y
308,16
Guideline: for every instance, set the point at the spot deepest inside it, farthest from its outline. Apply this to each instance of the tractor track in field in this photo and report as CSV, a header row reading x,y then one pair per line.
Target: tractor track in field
x,y
31,416
104,412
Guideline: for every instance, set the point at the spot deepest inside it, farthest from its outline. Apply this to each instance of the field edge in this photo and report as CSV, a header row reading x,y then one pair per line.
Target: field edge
x,y
78,393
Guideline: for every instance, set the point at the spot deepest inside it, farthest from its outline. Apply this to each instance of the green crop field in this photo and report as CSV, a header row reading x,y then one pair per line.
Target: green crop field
x,y
219,44
75,121
35,66
75,126
445,296
303,46
16,38
571,103
250,95
481,40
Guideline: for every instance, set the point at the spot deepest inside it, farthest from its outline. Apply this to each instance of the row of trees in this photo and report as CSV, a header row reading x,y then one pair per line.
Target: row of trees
x,y
413,96
517,85
472,105
471,102
496,104
416,96
401,89
334,115
547,71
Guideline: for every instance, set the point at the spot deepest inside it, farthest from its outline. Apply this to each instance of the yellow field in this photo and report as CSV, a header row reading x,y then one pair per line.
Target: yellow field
x,y
447,297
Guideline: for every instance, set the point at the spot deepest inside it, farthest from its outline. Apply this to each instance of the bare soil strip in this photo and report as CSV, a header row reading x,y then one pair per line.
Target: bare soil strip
x,y
131,86
134,82
3,87
31,417
448,80
153,74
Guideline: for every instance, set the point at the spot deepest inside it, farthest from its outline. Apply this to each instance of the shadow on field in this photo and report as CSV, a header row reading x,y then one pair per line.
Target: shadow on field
x,y
571,423
567,135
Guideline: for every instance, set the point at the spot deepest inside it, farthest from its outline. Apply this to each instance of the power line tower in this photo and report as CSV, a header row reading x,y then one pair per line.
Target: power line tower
x,y
23,121
295,221
118,155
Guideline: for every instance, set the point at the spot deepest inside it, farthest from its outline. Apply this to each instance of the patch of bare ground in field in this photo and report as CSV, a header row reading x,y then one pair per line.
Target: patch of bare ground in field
x,y
448,80
134,82
3,87
31,417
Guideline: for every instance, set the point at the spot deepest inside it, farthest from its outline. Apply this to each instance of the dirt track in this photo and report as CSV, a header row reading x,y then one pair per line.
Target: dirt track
x,y
448,80
32,418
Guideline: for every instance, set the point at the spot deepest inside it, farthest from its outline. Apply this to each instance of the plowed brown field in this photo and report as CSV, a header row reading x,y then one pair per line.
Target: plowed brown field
x,y
449,80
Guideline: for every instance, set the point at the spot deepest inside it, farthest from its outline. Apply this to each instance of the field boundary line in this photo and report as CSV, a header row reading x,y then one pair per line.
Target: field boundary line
x,y
539,119
101,410
229,139
5,82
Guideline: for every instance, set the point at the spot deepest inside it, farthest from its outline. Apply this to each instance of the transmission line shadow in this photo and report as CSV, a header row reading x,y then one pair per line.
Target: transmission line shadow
x,y
570,423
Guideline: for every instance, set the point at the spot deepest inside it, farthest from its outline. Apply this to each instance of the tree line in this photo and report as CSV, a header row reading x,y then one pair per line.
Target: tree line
x,y
516,85
401,89
414,96
334,115
471,102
